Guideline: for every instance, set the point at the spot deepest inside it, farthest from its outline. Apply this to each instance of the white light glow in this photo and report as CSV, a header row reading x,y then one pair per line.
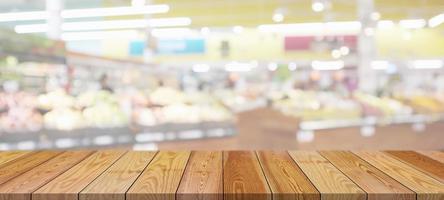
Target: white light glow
x,y
427,64
199,68
380,64
375,16
84,13
335,53
436,20
272,66
327,65
238,67
171,32
278,17
413,23
238,29
304,29
369,31
205,31
292,66
99,35
317,6
385,24
344,50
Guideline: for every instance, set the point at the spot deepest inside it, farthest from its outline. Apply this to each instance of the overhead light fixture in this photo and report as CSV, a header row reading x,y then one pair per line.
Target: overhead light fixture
x,y
317,28
238,29
318,6
436,20
99,35
199,68
84,13
327,65
385,24
278,17
107,25
335,53
427,64
380,64
238,67
170,32
412,23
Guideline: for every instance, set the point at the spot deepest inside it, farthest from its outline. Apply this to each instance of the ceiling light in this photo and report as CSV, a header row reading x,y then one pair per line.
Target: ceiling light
x,y
238,67
427,64
278,17
115,11
23,16
344,50
380,64
99,35
304,29
375,16
317,6
385,24
412,23
292,66
199,68
327,65
436,20
272,66
238,29
335,53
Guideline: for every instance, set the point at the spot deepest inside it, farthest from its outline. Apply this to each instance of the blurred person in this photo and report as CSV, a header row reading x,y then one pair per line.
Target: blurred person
x,y
104,83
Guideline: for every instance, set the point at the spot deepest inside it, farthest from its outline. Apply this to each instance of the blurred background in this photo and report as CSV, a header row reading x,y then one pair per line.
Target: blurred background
x,y
205,74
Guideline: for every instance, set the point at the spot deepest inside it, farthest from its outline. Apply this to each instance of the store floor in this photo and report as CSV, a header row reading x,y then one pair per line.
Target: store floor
x,y
268,129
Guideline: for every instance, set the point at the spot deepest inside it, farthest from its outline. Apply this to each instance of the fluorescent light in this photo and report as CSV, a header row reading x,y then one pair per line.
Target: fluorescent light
x,y
427,64
198,68
99,35
89,12
238,67
278,17
329,28
23,16
115,11
385,24
327,65
107,25
436,20
412,23
380,64
317,6
170,32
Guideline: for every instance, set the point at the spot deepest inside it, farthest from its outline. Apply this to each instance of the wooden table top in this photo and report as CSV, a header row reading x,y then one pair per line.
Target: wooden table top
x,y
137,175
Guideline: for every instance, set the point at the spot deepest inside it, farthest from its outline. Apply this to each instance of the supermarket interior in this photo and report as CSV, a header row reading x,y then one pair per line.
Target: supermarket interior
x,y
232,75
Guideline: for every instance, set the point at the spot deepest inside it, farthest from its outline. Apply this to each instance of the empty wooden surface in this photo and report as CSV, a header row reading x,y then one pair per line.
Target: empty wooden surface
x,y
217,175
68,185
428,165
374,182
114,182
425,186
436,155
202,178
286,179
328,180
160,180
243,177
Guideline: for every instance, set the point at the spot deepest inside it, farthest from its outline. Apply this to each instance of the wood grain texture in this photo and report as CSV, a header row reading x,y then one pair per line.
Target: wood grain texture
x,y
68,185
21,187
7,156
243,177
202,179
114,182
375,183
436,155
332,183
23,164
425,186
431,167
286,179
160,180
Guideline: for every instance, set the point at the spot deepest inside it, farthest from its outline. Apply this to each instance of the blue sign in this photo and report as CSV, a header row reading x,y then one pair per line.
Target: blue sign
x,y
136,48
177,46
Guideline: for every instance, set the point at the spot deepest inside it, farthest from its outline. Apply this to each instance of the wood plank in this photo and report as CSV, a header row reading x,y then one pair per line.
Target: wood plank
x,y
23,164
425,164
202,178
286,179
375,183
114,182
243,177
21,187
7,156
328,180
425,186
68,185
436,155
161,178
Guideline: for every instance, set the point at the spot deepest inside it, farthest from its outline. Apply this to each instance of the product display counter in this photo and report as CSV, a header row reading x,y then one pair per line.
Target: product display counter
x,y
118,174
